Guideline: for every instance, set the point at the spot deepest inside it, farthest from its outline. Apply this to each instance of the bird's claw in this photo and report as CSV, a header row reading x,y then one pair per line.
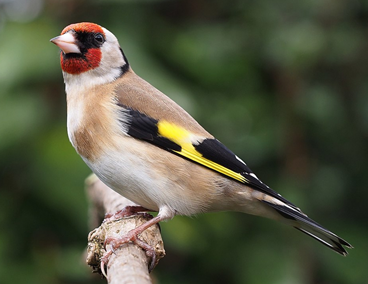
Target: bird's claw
x,y
116,243
104,261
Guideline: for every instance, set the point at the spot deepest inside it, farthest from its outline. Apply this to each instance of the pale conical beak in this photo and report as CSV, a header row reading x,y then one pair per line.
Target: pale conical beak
x,y
67,43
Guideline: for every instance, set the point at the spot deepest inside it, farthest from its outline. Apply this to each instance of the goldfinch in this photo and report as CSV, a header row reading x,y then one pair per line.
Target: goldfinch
x,y
147,148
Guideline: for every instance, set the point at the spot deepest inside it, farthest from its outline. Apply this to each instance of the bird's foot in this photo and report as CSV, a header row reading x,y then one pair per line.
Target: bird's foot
x,y
131,236
116,243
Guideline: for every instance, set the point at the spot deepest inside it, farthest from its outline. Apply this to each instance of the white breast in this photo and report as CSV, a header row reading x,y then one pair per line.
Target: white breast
x,y
152,181
76,93
74,117
128,175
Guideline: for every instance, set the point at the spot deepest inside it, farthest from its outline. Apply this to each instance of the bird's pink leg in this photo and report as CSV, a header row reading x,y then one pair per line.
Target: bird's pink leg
x,y
131,236
126,212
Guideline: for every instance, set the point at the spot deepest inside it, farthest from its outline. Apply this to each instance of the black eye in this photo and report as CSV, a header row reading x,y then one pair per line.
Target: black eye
x,y
99,38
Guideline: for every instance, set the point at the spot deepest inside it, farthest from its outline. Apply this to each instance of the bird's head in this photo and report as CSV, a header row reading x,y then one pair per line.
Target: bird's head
x,y
90,51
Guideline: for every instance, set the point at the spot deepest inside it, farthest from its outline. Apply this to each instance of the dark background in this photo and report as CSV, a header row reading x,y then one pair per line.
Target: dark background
x,y
281,83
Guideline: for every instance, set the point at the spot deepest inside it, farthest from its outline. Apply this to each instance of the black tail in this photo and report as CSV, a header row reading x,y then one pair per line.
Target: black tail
x,y
306,225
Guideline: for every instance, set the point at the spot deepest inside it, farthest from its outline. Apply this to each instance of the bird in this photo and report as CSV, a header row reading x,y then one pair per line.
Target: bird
x,y
143,145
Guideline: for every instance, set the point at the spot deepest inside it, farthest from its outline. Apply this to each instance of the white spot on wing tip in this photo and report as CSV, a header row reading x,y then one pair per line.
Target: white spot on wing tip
x,y
240,159
253,175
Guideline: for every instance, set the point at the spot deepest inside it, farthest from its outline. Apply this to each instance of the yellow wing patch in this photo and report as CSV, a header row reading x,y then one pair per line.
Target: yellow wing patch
x,y
182,137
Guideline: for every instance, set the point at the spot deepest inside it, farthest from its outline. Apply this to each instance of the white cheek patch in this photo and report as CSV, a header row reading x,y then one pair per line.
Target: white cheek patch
x,y
111,51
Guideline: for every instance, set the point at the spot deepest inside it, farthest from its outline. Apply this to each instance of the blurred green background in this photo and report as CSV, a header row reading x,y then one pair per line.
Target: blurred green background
x,y
281,83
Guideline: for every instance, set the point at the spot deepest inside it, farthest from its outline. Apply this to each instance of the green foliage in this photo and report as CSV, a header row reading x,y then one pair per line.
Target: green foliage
x,y
281,83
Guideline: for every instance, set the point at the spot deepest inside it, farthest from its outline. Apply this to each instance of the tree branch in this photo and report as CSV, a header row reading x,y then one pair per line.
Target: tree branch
x,y
129,264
